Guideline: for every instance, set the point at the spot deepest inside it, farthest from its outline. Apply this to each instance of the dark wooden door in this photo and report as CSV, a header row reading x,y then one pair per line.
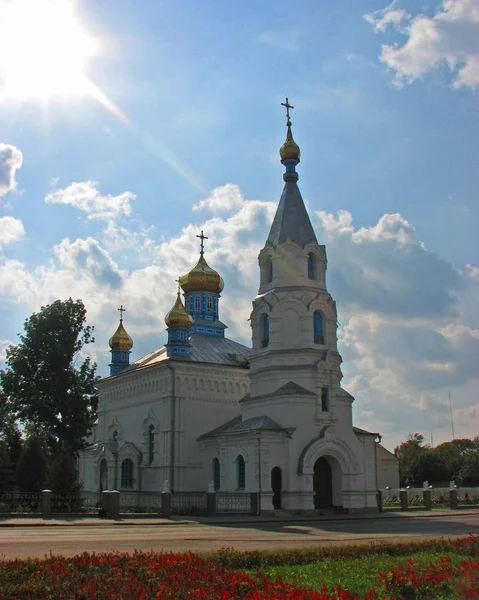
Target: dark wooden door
x,y
322,484
276,485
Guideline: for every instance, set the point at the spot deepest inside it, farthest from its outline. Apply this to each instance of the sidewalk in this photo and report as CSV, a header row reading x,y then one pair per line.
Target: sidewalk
x,y
127,520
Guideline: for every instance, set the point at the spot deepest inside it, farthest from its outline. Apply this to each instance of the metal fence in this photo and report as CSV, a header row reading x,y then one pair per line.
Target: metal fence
x,y
233,502
20,502
141,501
463,493
189,503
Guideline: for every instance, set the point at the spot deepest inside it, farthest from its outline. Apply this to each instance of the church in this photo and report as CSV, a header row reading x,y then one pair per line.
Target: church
x,y
206,412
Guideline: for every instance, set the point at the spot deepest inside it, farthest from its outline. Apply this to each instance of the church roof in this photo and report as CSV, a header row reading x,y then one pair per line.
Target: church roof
x,y
204,349
291,219
238,426
288,389
359,431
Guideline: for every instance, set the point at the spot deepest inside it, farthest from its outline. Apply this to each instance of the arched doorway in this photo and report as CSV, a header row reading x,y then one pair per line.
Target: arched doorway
x,y
103,475
276,485
322,484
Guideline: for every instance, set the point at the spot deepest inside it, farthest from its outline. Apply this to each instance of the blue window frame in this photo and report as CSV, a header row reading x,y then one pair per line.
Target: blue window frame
x,y
264,331
240,472
127,473
318,328
215,466
197,303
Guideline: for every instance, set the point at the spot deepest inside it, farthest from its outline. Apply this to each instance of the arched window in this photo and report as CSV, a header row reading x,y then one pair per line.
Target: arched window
x,y
103,475
115,436
264,331
209,304
151,443
311,266
215,467
197,303
240,472
318,328
127,473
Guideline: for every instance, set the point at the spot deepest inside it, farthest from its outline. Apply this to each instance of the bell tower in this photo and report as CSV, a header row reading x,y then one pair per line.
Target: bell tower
x,y
294,318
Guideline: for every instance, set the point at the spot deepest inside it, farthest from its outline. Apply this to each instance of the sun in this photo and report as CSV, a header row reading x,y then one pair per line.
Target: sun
x,y
43,50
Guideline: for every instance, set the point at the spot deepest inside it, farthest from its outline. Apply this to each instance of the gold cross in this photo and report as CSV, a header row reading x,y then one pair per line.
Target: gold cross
x,y
122,310
202,238
178,282
287,105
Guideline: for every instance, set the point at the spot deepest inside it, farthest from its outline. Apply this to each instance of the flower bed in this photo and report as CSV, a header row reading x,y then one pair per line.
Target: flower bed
x,y
170,576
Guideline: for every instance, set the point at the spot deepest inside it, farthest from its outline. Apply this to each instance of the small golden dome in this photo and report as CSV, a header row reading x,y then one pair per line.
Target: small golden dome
x,y
178,318
290,149
120,340
202,278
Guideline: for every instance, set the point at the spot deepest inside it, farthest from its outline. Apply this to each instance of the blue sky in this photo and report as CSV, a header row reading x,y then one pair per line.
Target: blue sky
x,y
126,127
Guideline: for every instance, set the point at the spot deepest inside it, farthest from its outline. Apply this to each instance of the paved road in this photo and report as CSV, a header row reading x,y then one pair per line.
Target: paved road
x,y
39,541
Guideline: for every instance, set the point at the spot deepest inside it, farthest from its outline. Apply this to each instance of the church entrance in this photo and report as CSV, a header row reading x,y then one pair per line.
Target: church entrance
x,y
322,484
276,485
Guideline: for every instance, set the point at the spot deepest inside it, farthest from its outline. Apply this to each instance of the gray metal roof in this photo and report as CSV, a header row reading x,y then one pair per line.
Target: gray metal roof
x,y
237,426
291,219
288,389
205,349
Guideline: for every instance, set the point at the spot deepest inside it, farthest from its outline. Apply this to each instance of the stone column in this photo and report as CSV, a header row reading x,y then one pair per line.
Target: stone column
x,y
403,499
427,497
46,504
380,497
211,504
166,504
105,501
114,504
453,498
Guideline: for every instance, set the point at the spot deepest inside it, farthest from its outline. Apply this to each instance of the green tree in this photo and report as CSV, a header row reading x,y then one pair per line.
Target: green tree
x,y
10,444
49,382
408,454
62,476
32,466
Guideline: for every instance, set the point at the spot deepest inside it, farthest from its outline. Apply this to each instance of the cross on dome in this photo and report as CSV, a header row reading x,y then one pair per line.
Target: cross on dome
x,y
287,105
122,310
202,238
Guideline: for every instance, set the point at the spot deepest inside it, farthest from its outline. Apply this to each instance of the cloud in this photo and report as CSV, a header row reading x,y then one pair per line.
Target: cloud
x,y
285,40
450,36
85,197
10,161
226,198
405,335
11,230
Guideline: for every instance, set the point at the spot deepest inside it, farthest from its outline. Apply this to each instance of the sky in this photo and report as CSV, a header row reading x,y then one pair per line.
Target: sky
x,y
128,127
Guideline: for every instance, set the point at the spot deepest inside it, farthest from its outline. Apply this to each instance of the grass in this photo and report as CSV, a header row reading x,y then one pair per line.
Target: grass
x,y
358,575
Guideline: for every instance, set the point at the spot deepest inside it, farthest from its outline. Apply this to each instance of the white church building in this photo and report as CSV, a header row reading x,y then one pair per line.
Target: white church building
x,y
205,411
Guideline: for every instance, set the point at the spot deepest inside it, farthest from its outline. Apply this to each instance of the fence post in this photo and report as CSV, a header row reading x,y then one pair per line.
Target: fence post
x,y
380,499
254,503
46,504
114,504
105,502
427,497
166,504
211,504
453,498
403,499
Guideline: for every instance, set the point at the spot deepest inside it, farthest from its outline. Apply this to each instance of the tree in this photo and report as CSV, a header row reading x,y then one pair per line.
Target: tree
x,y
62,476
10,444
32,466
408,454
49,382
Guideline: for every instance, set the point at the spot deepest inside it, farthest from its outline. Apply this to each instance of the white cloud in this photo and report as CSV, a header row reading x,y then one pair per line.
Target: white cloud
x,y
4,344
226,198
85,197
10,161
405,336
285,40
383,18
450,36
11,230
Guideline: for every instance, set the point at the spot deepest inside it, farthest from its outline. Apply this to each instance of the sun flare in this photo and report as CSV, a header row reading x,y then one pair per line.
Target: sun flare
x,y
43,50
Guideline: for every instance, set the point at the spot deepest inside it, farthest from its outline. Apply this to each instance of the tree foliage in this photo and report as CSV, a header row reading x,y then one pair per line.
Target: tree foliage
x,y
10,445
49,382
32,466
455,460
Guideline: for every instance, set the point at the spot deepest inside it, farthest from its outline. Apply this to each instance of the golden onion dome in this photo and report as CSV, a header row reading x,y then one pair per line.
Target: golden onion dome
x,y
120,340
178,318
290,149
202,278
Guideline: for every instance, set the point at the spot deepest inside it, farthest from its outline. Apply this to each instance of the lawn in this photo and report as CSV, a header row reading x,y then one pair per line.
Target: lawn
x,y
432,570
